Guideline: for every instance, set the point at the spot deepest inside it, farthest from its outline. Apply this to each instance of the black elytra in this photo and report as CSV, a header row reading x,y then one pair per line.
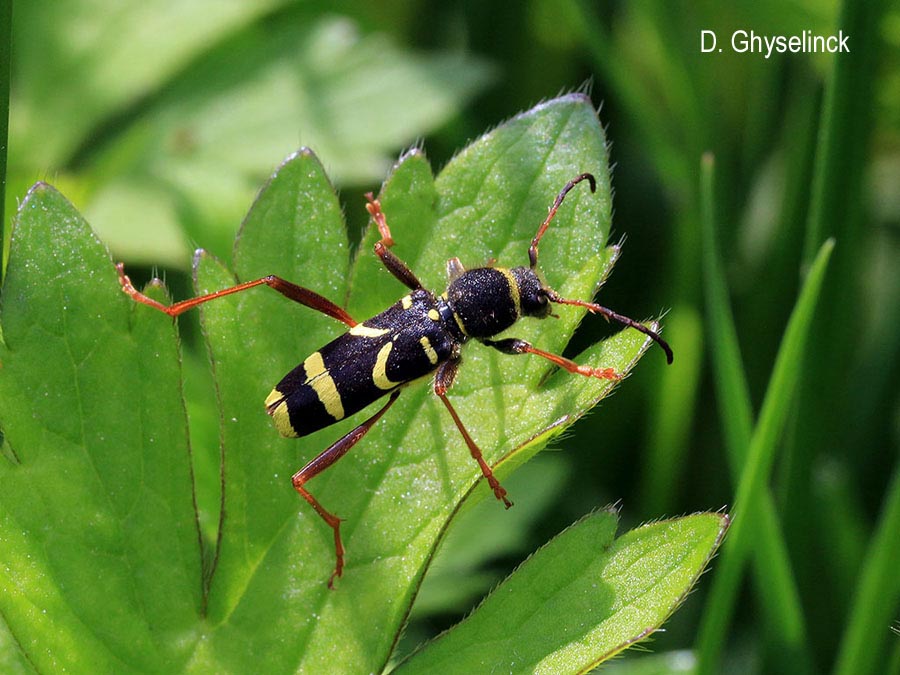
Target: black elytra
x,y
419,335
369,361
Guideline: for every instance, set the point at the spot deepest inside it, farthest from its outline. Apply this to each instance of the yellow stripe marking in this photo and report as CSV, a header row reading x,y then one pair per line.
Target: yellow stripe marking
x,y
276,406
318,377
379,372
459,322
360,330
406,301
429,350
283,420
274,397
513,289
434,315
456,317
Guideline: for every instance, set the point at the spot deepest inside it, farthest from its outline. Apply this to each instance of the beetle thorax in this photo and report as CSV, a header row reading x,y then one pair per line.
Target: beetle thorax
x,y
488,300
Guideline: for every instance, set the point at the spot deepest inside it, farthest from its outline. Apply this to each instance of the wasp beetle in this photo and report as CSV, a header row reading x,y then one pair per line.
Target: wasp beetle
x,y
421,334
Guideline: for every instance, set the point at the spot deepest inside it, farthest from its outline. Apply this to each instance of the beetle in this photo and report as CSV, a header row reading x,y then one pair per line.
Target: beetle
x,y
420,334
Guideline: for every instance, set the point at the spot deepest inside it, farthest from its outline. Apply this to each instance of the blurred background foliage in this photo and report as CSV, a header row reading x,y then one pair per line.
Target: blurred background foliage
x,y
160,119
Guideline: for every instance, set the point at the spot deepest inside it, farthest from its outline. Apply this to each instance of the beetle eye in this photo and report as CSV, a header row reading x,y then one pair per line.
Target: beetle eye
x,y
536,304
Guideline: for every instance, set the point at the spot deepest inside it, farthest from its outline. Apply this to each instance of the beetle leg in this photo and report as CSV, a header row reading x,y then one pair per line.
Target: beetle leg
x,y
321,462
382,247
442,382
516,346
290,290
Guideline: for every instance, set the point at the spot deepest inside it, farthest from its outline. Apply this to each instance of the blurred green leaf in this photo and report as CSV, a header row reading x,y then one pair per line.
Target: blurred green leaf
x,y
210,138
72,74
97,478
580,600
481,532
183,168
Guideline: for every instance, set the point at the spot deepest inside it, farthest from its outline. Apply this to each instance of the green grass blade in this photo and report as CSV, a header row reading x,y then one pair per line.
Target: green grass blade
x,y
761,455
828,424
730,379
777,589
867,635
846,525
580,600
845,129
651,108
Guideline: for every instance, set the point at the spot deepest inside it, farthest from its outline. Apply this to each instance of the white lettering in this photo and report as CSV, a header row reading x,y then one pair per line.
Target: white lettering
x,y
805,42
703,35
739,41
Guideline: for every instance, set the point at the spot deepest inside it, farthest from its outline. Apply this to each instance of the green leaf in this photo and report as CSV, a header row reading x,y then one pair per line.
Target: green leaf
x,y
580,600
97,478
196,155
398,489
101,561
74,73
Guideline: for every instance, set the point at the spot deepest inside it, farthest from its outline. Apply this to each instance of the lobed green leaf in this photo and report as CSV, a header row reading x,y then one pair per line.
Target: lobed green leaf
x,y
96,511
97,475
580,600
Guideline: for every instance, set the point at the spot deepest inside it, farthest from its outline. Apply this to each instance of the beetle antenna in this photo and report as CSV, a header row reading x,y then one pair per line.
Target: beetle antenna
x,y
615,316
533,249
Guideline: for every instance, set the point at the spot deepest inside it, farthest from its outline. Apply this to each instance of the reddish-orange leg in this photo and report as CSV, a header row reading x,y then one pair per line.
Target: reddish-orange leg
x,y
312,300
516,346
553,296
296,293
446,373
322,462
382,247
